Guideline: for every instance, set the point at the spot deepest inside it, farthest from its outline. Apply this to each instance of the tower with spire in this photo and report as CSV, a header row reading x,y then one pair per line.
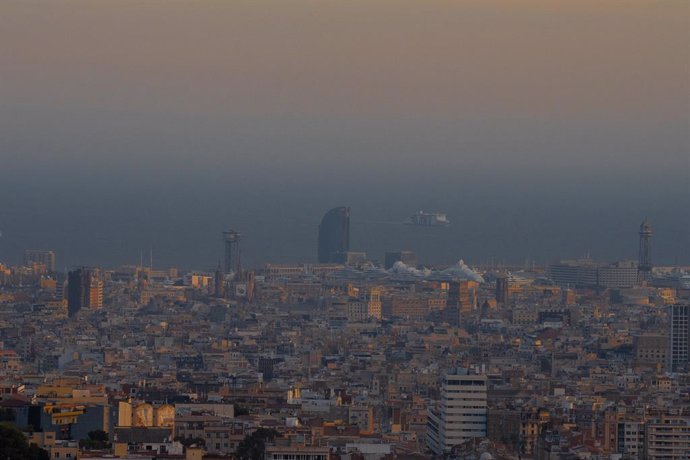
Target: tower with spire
x,y
644,264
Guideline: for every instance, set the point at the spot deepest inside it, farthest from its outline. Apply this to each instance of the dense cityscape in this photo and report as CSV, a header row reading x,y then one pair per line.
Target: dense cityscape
x,y
355,357
344,230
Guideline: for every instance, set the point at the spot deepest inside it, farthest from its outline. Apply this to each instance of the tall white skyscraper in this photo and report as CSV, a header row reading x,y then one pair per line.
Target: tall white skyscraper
x,y
461,413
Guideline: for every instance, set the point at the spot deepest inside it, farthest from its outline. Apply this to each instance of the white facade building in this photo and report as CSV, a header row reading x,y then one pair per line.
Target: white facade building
x,y
586,272
461,413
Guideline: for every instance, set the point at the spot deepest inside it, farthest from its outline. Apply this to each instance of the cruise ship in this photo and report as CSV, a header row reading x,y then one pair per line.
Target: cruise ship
x,y
428,219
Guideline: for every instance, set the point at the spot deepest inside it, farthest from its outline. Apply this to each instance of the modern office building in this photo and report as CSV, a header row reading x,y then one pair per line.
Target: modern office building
x,y
617,274
462,412
575,272
588,273
334,235
502,289
47,258
84,290
679,336
77,291
622,274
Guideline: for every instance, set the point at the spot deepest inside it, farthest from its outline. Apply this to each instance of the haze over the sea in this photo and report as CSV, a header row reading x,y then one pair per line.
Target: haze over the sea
x,y
544,129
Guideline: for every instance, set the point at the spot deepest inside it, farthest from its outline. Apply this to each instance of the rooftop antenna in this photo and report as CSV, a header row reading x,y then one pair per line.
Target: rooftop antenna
x,y
151,257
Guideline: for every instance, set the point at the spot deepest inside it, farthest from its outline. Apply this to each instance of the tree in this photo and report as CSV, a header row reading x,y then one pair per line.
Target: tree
x,y
201,442
13,444
98,435
239,410
98,439
36,453
253,446
6,415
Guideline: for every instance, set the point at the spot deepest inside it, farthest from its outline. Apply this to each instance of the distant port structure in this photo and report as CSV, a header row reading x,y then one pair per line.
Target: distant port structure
x,y
427,219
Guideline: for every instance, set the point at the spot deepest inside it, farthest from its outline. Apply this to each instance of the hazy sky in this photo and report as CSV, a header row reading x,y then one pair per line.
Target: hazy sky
x,y
545,129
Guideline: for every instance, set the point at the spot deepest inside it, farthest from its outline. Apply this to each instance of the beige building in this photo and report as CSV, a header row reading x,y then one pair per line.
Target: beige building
x,y
65,450
668,438
374,303
410,307
651,350
140,414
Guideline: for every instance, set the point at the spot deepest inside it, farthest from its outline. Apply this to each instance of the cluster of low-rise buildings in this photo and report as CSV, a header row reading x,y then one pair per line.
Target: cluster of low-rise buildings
x,y
330,361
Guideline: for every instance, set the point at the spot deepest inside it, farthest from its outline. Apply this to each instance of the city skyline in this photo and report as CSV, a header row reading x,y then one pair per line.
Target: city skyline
x,y
145,256
344,229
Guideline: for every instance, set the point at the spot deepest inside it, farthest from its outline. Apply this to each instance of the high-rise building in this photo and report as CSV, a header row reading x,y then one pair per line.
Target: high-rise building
x,y
373,296
95,290
461,413
219,282
679,336
84,290
77,290
334,235
462,298
502,289
644,265
47,258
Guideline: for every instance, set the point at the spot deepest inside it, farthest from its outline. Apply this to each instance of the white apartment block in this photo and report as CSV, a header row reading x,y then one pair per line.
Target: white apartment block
x,y
461,413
